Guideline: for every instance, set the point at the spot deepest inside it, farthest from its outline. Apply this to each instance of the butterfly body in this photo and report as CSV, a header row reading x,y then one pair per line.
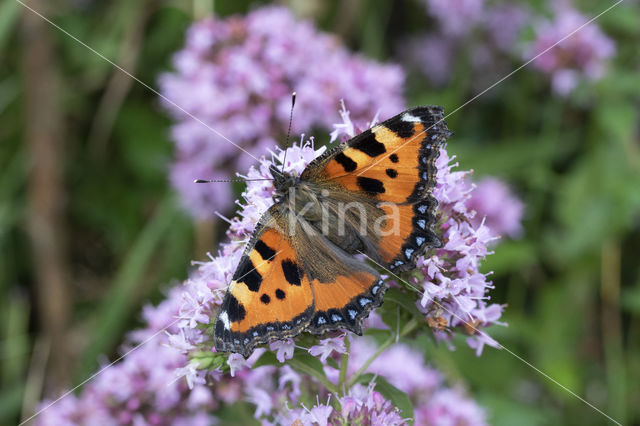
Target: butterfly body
x,y
302,269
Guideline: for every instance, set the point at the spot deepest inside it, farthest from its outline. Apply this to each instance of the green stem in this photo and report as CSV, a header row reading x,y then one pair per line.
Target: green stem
x,y
305,369
408,328
344,363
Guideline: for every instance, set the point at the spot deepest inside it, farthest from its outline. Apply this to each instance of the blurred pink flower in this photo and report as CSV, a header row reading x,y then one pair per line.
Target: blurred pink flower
x,y
494,203
237,75
482,36
456,17
145,388
582,56
283,349
327,347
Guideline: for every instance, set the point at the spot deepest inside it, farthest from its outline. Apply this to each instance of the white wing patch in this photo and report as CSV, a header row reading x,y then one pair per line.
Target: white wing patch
x,y
410,118
224,317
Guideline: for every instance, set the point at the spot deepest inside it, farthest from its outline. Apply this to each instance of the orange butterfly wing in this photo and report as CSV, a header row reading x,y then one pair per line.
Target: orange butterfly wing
x,y
270,296
345,302
393,163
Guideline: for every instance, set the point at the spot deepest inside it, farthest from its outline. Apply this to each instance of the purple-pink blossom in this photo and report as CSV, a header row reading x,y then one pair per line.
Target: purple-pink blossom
x,y
142,389
327,347
456,17
237,75
479,35
283,349
581,56
493,202
489,36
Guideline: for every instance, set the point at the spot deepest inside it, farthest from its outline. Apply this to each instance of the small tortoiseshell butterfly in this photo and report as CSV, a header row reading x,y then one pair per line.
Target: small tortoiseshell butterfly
x,y
301,270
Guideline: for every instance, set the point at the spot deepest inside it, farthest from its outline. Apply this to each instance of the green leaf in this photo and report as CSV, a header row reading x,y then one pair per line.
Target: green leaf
x,y
405,300
310,363
333,363
208,360
267,358
305,363
397,397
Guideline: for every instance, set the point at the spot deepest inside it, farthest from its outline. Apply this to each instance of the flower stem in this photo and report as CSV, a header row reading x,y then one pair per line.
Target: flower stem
x,y
409,327
344,363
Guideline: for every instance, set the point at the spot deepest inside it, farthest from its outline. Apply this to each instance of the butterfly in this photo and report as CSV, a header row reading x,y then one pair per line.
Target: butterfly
x,y
303,268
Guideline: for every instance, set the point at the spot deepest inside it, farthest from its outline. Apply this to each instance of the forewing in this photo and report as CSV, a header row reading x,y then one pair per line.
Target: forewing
x,y
393,161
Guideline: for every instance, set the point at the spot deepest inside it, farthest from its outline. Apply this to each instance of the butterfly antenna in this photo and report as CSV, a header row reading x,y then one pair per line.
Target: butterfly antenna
x,y
286,145
227,180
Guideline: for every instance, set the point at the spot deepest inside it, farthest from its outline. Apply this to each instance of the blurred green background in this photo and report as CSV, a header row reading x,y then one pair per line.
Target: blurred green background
x,y
90,229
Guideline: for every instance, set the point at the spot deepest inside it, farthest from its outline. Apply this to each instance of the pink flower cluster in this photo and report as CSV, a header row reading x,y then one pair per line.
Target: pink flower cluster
x,y
237,76
500,210
403,367
278,392
455,291
581,57
456,17
490,37
142,389
363,406
482,34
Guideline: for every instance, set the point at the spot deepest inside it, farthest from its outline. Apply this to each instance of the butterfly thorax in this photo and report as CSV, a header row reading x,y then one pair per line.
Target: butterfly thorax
x,y
282,181
294,195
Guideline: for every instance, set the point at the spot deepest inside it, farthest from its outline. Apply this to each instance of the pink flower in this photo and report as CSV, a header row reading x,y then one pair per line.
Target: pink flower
x,y
261,399
237,75
456,17
582,56
283,348
327,347
494,203
320,414
236,362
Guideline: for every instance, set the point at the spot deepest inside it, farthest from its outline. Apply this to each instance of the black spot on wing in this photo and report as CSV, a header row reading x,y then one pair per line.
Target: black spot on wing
x,y
265,251
393,158
347,163
402,128
370,185
368,144
392,173
280,294
265,298
235,310
247,273
291,272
